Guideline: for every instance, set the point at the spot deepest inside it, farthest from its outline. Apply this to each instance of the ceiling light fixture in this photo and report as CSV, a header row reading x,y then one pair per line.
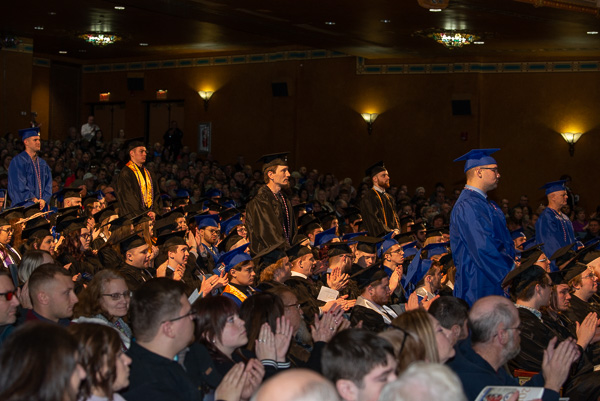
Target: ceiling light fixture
x,y
571,138
435,10
62,52
479,42
39,28
329,23
453,39
592,32
100,39
385,21
143,44
119,8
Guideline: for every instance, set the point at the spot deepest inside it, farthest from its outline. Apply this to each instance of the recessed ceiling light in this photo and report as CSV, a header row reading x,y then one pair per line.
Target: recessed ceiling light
x,y
62,51
435,10
143,44
82,51
52,13
385,21
592,32
119,8
39,28
480,42
329,23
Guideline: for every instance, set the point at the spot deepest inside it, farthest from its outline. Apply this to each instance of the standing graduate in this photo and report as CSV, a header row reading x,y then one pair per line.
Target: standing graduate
x,y
377,206
483,250
29,176
553,229
136,188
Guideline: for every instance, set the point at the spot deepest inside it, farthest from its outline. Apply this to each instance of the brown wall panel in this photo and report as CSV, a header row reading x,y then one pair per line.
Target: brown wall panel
x,y
15,90
416,133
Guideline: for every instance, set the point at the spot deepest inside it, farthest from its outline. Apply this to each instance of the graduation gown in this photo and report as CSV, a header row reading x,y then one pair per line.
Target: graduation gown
x,y
265,221
129,194
482,248
134,277
379,213
23,184
554,230
373,320
307,293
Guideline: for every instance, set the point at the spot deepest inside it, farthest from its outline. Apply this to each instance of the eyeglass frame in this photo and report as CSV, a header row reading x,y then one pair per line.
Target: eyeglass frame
x,y
191,313
116,296
494,169
8,296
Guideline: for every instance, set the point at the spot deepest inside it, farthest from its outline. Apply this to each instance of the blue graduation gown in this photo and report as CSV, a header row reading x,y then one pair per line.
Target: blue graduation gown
x,y
554,230
22,180
482,249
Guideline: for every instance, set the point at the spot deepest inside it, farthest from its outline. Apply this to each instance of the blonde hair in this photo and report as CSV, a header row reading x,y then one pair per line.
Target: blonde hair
x,y
418,323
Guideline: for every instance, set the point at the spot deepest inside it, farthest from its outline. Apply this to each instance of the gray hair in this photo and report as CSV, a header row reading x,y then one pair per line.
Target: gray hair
x,y
485,325
425,381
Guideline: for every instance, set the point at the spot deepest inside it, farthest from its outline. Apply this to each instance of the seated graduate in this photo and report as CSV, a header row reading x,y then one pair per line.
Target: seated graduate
x,y
240,272
479,362
371,306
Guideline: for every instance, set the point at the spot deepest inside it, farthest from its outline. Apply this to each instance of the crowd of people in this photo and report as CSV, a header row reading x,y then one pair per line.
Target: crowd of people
x,y
152,273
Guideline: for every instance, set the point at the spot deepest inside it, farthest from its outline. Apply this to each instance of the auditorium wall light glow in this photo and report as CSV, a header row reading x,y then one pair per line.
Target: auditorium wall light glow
x,y
571,138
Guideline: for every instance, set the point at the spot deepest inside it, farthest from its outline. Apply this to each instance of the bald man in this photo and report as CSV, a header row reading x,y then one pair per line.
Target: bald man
x,y
297,385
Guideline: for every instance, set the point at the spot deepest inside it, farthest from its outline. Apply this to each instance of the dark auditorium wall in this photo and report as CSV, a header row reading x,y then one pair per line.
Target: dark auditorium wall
x,y
416,133
15,88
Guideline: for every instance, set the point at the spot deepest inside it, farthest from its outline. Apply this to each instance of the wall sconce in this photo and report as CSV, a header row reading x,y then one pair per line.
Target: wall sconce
x,y
571,138
161,94
370,119
205,95
105,97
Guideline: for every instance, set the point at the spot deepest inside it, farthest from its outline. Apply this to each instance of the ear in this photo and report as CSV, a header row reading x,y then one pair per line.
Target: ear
x,y
347,390
455,331
167,329
43,298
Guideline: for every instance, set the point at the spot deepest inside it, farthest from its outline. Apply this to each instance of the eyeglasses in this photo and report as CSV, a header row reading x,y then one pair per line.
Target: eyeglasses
x,y
297,306
8,230
8,295
406,334
399,250
117,295
591,276
192,313
519,327
494,169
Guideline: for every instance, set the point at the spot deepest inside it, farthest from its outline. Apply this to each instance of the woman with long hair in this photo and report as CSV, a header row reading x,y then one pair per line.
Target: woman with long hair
x,y
75,250
106,301
103,359
39,361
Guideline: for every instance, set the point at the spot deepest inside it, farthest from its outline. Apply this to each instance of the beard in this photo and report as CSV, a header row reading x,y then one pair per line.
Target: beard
x,y
512,349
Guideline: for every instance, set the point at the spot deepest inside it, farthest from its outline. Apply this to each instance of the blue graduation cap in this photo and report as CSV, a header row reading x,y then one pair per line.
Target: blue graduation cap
x,y
165,197
436,249
554,186
349,236
207,220
530,243
385,245
231,223
325,236
182,193
410,249
229,259
213,193
29,132
516,234
478,157
229,204
415,271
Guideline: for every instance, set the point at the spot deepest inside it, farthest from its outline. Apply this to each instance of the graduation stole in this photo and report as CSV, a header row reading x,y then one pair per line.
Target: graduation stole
x,y
383,209
235,292
144,187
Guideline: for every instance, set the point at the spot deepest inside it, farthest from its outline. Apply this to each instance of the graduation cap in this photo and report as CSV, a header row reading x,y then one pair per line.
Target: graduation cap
x,y
173,215
418,227
104,214
212,205
273,159
516,234
193,208
70,224
231,223
410,249
385,245
351,236
367,244
165,198
434,232
406,219
352,213
69,192
405,238
229,203
520,277
375,169
118,223
213,193
307,218
36,231
171,239
368,276
134,143
232,258
164,229
530,243
300,206
297,251
554,186
29,132
328,218
325,236
531,250
436,249
338,248
477,157
140,218
229,241
181,194
7,215
207,220
130,242
568,273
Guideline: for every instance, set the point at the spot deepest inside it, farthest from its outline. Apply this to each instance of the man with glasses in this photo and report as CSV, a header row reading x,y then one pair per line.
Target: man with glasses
x,y
8,254
553,229
583,287
495,328
9,302
481,245
162,321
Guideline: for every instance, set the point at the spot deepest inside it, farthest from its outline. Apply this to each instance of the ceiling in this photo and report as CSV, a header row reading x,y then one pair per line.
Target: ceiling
x,y
374,29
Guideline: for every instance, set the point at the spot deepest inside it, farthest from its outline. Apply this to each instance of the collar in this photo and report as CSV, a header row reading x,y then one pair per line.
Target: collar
x,y
380,190
536,312
170,268
479,191
298,274
384,311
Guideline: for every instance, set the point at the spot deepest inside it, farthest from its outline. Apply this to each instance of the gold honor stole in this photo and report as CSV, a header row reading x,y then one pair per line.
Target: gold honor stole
x,y
235,292
147,190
